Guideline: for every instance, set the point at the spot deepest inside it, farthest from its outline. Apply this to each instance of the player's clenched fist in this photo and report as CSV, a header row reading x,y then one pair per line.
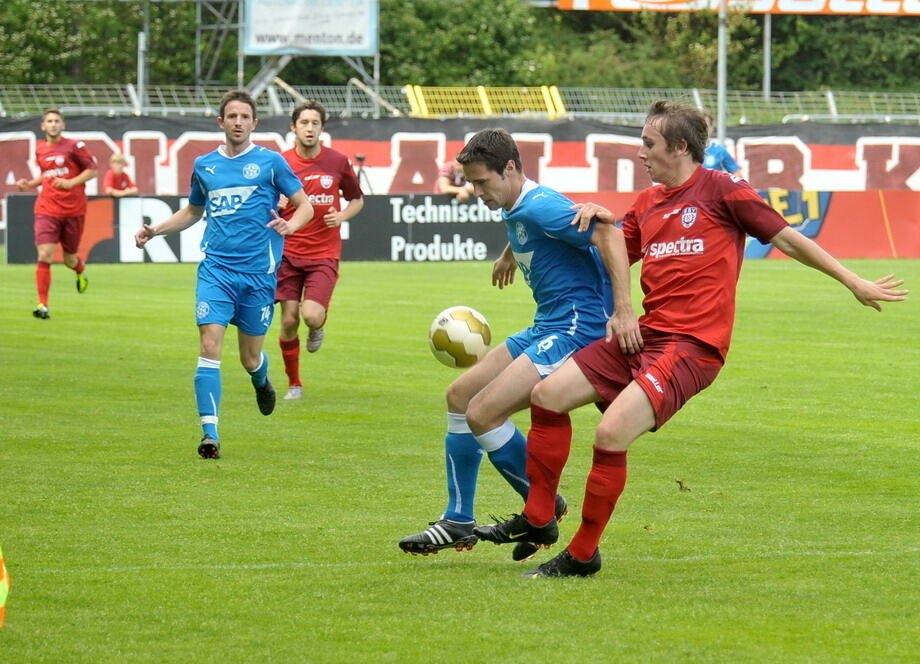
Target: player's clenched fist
x,y
144,234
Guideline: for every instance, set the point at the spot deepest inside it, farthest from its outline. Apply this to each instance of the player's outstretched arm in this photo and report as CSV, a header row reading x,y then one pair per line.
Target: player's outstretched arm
x,y
586,212
177,222
870,293
624,324
503,268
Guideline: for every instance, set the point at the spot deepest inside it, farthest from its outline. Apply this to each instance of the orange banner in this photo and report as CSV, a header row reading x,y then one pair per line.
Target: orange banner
x,y
832,7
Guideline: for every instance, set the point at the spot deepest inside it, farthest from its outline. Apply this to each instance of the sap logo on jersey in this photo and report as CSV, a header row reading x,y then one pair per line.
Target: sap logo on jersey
x,y
682,247
227,201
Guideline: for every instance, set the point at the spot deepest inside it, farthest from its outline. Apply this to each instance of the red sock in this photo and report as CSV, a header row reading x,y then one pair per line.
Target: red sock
x,y
605,484
80,266
548,443
43,281
290,353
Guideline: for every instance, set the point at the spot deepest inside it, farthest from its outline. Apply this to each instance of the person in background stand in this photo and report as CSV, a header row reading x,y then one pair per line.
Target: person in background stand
x,y
117,183
451,181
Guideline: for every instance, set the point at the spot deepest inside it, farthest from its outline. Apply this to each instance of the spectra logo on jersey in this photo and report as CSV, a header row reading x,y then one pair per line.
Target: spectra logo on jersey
x,y
682,247
227,201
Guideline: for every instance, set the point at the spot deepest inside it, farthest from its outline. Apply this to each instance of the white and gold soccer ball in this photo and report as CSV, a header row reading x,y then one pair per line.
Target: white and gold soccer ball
x,y
459,337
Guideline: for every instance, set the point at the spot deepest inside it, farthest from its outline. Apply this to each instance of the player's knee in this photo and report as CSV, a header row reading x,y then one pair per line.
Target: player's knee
x,y
544,396
289,321
457,398
250,362
314,316
608,436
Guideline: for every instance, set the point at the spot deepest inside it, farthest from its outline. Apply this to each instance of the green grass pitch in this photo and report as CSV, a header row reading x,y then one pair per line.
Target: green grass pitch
x,y
794,539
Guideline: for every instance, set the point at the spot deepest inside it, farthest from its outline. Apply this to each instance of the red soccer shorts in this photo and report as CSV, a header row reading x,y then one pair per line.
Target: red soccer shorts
x,y
307,279
64,230
670,368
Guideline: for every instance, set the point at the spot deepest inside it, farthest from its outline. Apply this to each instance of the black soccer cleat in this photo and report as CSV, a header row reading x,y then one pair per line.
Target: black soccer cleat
x,y
519,529
442,534
209,448
525,550
41,311
565,565
265,397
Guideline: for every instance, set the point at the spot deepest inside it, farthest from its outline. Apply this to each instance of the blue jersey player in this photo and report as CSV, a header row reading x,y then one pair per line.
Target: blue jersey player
x,y
716,157
239,186
567,271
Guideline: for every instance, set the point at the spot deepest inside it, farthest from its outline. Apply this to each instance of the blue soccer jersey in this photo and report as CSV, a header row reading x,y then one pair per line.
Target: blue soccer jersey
x,y
717,158
238,194
562,268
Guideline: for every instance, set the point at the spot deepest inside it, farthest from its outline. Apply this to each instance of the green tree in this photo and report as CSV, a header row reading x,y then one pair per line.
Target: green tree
x,y
478,42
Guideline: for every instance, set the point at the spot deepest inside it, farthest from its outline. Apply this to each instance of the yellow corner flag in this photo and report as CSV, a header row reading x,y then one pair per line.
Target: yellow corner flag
x,y
4,587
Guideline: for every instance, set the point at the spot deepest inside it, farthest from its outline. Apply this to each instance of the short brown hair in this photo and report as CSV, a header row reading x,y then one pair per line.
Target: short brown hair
x,y
56,111
237,95
680,121
492,147
309,105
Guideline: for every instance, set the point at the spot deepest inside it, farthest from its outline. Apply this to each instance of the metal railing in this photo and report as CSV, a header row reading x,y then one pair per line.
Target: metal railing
x,y
615,105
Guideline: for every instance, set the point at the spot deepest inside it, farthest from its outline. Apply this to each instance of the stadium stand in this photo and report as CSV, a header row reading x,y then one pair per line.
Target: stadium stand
x,y
623,106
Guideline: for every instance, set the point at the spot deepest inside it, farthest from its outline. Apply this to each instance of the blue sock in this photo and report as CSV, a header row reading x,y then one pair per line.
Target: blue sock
x,y
463,456
207,394
260,374
507,449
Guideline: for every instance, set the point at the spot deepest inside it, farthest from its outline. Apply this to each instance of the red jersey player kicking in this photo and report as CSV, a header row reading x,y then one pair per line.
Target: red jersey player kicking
x,y
689,231
310,265
65,165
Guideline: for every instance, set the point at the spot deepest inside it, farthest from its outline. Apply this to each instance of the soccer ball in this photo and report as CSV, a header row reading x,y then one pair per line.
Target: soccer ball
x,y
459,337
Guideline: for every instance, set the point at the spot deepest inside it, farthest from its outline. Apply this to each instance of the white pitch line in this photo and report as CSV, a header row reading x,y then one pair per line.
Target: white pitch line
x,y
389,563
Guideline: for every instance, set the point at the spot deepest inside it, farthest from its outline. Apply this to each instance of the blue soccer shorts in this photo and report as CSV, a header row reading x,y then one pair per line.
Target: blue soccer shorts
x,y
547,349
226,297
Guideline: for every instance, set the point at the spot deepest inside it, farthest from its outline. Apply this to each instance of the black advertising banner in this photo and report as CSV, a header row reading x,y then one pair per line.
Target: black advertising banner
x,y
400,228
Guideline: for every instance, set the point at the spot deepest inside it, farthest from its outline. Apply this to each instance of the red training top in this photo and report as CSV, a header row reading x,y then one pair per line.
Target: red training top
x,y
323,178
691,241
118,182
65,159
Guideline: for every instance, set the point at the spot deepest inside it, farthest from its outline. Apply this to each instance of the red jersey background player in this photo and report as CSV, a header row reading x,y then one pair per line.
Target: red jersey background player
x,y
116,182
689,231
64,165
451,180
310,265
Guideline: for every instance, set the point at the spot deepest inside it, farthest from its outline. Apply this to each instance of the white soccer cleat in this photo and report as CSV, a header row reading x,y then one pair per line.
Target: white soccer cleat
x,y
294,392
315,339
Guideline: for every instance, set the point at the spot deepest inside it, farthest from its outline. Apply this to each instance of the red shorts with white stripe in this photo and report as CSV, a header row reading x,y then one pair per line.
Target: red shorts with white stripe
x,y
670,369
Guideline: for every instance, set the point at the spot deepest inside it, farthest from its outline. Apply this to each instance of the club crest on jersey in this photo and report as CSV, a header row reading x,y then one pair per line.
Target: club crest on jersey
x,y
688,217
325,181
521,233
251,171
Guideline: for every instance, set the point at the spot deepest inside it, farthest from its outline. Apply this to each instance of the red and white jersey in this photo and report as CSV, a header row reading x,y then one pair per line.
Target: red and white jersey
x,y
65,159
691,243
326,180
118,182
